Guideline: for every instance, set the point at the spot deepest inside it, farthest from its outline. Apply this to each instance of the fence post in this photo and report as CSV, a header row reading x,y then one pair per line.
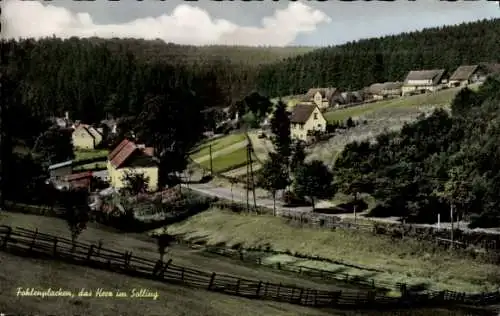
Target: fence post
x,y
278,291
241,255
265,289
157,267
126,259
373,283
335,297
259,261
278,265
182,274
89,253
315,297
34,240
300,295
7,237
211,283
55,246
165,267
258,288
238,286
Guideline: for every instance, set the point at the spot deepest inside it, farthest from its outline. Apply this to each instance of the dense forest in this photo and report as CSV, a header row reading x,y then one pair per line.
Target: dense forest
x,y
358,64
442,161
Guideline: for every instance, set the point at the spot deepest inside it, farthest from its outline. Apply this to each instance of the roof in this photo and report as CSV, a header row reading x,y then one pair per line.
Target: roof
x,y
464,72
434,75
378,87
490,67
78,176
301,113
325,92
92,131
121,152
61,165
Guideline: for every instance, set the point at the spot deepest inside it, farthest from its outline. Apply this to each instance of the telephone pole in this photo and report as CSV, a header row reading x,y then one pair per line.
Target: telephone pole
x,y
211,161
250,183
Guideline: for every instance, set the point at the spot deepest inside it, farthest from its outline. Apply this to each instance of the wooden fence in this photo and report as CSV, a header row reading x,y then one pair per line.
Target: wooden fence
x,y
33,243
366,283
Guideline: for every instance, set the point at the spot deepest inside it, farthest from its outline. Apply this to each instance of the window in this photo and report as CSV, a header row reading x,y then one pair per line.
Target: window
x,y
315,116
301,126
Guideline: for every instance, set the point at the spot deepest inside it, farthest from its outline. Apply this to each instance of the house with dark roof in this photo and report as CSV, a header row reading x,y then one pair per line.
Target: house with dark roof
x,y
468,74
324,97
86,137
385,90
130,158
304,120
421,81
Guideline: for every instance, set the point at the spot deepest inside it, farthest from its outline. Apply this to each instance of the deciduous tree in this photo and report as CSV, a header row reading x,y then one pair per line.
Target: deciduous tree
x,y
314,180
274,176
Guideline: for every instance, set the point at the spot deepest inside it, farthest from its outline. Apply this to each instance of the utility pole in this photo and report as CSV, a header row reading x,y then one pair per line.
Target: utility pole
x,y
452,207
250,150
248,179
211,161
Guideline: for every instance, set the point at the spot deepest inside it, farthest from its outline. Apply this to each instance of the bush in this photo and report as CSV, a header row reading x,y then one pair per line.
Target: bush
x,y
293,200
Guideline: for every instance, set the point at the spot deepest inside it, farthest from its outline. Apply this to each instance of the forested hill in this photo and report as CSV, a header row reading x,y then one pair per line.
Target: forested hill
x,y
358,64
159,51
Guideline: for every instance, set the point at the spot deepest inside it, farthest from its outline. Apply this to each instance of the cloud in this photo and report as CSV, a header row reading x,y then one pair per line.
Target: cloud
x,y
186,24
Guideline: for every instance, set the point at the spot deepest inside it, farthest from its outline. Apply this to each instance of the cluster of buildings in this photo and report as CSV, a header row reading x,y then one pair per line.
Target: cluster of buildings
x,y
127,158
307,117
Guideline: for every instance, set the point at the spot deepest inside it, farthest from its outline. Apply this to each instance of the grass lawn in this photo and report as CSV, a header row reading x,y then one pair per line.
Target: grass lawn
x,y
172,299
81,154
401,260
218,144
144,246
227,161
443,98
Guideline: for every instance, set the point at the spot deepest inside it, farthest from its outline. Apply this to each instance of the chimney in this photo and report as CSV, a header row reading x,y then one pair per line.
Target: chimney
x,y
66,115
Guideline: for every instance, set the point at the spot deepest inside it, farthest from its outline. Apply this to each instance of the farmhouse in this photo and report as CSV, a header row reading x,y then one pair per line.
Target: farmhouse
x,y
379,91
324,97
86,136
421,81
130,158
468,74
305,119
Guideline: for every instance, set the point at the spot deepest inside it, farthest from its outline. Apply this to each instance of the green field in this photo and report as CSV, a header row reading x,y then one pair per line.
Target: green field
x,y
81,154
440,98
227,161
405,261
218,144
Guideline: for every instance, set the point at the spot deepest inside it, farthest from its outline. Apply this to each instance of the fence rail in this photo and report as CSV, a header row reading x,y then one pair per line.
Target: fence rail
x,y
26,242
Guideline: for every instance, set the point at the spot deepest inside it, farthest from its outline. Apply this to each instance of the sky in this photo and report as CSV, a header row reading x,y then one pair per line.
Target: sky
x,y
255,23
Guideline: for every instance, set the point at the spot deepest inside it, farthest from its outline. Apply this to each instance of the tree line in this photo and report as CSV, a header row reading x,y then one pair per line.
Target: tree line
x,y
358,64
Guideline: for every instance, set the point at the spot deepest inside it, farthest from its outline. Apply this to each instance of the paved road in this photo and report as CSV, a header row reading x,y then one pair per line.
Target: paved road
x,y
239,196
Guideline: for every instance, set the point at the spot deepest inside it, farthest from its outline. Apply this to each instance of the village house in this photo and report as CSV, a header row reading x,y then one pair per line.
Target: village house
x,y
305,119
324,97
130,158
421,81
60,170
386,90
468,74
350,97
86,137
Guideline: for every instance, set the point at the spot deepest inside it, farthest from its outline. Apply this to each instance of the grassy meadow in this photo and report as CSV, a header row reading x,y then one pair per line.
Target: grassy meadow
x,y
400,260
440,98
82,154
227,161
217,144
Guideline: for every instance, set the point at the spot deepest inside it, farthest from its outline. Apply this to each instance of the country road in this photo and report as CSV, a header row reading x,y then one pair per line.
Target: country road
x,y
239,196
